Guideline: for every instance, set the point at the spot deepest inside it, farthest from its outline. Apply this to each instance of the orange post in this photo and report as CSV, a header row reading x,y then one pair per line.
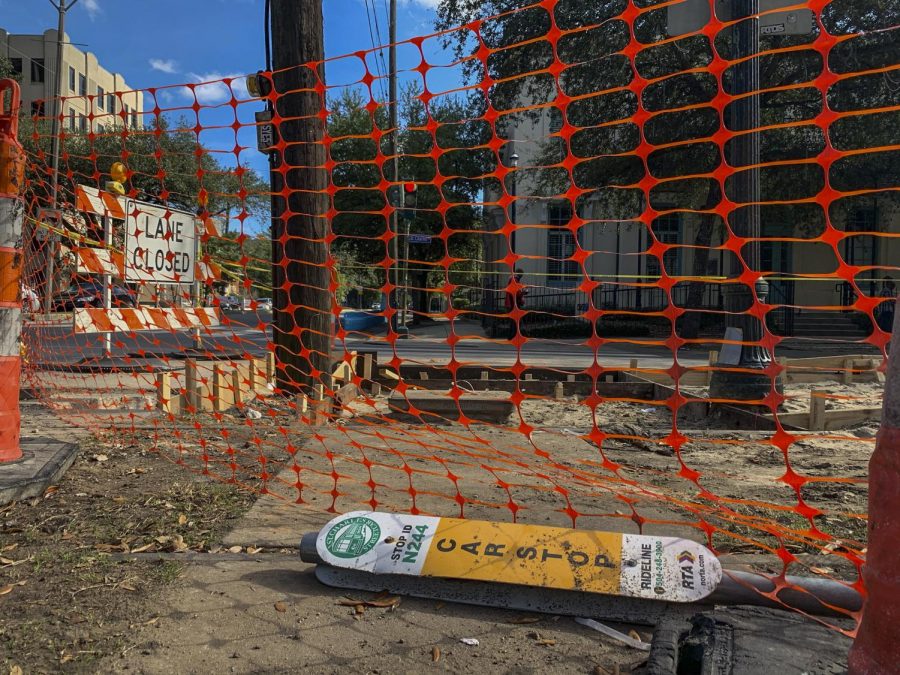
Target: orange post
x,y
12,174
877,647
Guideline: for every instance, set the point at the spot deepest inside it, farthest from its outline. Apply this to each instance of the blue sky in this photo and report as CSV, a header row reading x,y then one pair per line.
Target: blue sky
x,y
155,43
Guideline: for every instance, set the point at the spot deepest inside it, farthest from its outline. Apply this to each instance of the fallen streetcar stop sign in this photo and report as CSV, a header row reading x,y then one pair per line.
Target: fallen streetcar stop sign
x,y
657,568
160,243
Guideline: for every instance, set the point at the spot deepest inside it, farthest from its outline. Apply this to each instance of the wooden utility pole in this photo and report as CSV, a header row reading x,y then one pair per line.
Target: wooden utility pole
x,y
303,322
397,192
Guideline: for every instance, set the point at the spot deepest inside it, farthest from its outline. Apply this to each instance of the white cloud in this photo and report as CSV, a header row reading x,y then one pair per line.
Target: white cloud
x,y
210,89
164,65
92,7
428,4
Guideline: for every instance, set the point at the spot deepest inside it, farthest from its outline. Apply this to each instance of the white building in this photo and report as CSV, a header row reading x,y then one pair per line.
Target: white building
x,y
94,98
800,268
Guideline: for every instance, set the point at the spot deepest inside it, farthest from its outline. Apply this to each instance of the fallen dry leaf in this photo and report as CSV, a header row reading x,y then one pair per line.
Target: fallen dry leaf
x,y
525,619
359,609
100,458
435,654
127,587
119,500
280,607
546,643
439,605
349,602
50,490
6,589
6,561
8,548
385,602
15,670
254,550
182,519
634,635
152,621
141,549
235,549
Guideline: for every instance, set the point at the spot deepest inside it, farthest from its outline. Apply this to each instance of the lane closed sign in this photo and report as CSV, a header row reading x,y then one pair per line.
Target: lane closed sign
x,y
160,243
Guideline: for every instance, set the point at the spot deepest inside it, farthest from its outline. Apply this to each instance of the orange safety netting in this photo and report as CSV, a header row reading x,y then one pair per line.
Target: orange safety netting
x,y
584,202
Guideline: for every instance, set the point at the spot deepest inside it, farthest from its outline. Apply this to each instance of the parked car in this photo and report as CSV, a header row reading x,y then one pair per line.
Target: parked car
x,y
230,303
90,294
264,304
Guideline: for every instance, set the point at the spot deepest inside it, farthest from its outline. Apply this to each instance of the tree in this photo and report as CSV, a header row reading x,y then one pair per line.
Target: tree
x,y
166,165
360,225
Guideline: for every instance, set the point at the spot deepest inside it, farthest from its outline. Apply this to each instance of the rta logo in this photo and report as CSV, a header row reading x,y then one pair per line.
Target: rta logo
x,y
686,561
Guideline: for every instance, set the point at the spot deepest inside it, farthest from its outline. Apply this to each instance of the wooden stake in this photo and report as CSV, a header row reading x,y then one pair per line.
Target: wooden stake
x,y
318,405
375,389
633,364
236,385
190,387
219,388
713,358
817,403
559,391
485,375
423,375
270,367
164,392
367,367
847,372
570,377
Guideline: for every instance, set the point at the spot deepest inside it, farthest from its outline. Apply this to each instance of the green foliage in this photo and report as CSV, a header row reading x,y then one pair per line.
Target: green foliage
x,y
360,223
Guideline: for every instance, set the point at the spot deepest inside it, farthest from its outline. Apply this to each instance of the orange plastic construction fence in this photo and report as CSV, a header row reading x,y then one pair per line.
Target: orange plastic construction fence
x,y
623,265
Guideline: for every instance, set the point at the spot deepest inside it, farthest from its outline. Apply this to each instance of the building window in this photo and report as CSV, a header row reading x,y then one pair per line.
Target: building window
x,y
555,125
134,120
111,103
16,65
71,119
82,85
37,108
37,70
101,129
667,229
82,123
127,111
71,78
100,98
560,245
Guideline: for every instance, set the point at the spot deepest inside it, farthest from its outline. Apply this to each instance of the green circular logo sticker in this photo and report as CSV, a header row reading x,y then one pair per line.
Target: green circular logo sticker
x,y
352,537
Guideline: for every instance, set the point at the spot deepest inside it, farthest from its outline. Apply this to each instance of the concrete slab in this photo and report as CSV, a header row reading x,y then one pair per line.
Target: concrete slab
x,y
438,406
42,464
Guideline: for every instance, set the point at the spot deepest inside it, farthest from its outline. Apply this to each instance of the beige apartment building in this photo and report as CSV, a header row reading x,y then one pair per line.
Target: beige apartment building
x,y
94,98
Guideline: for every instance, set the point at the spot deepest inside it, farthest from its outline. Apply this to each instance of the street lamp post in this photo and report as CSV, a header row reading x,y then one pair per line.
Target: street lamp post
x,y
514,163
748,379
61,7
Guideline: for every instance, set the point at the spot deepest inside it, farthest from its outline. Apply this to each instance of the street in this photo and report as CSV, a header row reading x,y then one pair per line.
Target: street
x,y
240,332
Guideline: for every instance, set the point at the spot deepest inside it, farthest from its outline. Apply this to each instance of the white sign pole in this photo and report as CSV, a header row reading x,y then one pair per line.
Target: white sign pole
x,y
198,340
107,282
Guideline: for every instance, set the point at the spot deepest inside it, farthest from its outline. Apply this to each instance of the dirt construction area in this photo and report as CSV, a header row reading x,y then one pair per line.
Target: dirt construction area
x,y
156,553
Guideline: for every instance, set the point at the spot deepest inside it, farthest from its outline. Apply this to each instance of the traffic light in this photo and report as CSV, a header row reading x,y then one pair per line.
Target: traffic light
x,y
409,199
